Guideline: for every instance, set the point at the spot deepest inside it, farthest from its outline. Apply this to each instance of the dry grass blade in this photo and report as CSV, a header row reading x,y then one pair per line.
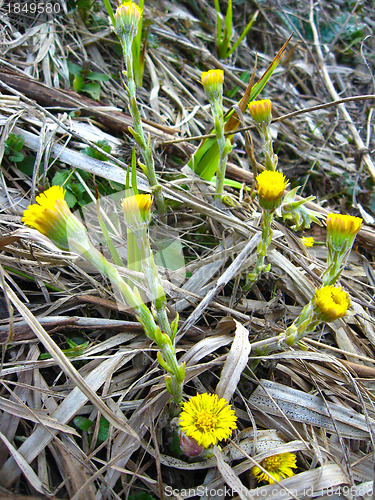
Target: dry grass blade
x,y
231,478
36,416
24,467
270,397
317,482
67,366
235,363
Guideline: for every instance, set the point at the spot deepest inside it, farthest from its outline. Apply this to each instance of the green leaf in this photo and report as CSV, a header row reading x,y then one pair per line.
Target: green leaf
x,y
16,156
93,153
93,89
27,165
61,177
74,69
98,77
103,430
141,496
70,199
83,423
78,83
13,143
244,33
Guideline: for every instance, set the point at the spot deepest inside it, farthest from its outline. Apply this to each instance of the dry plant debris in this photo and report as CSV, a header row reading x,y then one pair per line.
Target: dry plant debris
x,y
83,403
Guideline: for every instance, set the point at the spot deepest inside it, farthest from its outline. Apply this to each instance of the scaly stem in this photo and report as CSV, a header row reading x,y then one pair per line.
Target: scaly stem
x,y
263,245
138,133
153,280
335,264
164,341
270,160
217,111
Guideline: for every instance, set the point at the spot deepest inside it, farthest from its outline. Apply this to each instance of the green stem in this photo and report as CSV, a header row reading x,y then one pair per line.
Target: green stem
x,y
335,264
154,282
163,340
133,260
270,158
218,114
264,243
306,323
138,133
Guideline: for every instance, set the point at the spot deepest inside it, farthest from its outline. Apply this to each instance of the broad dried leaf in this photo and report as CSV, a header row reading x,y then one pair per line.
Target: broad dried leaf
x,y
309,409
235,364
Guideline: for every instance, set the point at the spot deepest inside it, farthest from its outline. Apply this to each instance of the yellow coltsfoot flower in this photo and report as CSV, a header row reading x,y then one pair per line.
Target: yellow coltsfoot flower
x,y
342,230
331,303
260,110
212,82
51,216
308,241
341,233
127,17
278,466
207,419
137,210
270,187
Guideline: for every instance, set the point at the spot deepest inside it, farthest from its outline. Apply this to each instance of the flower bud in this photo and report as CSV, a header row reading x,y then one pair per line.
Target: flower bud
x,y
189,446
127,18
212,82
342,230
260,110
137,211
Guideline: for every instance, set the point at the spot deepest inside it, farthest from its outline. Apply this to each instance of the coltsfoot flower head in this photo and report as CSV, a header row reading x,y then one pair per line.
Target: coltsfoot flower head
x,y
342,230
127,17
279,466
308,241
270,186
330,303
137,210
260,110
207,419
212,82
51,216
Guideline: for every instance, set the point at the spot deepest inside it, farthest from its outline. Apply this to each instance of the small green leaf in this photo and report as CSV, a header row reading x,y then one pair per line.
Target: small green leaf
x,y
93,89
74,69
27,165
16,157
83,423
61,177
78,83
70,199
103,430
98,77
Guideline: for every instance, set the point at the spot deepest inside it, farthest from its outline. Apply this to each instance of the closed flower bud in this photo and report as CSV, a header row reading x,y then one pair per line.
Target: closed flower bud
x,y
212,82
260,110
342,230
127,18
189,446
